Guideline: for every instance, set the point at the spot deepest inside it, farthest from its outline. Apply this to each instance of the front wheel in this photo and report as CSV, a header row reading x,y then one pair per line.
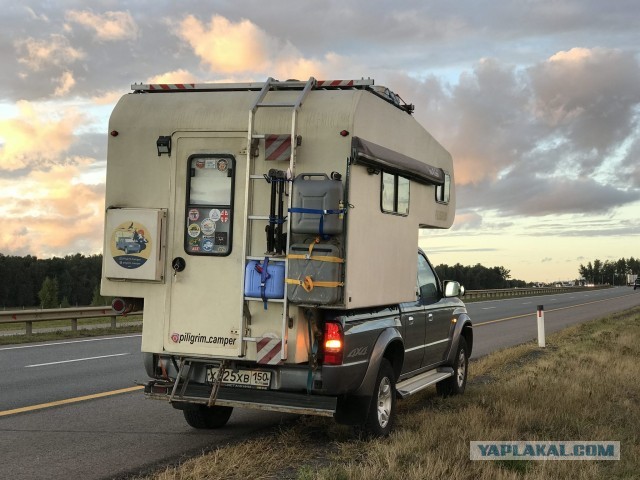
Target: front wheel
x,y
381,416
201,416
456,384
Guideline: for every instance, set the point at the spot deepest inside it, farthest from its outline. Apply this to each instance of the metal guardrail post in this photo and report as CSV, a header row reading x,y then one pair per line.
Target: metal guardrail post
x,y
113,321
29,328
74,324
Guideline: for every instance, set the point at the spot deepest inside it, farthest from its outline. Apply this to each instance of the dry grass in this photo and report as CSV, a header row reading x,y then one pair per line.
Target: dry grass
x,y
584,386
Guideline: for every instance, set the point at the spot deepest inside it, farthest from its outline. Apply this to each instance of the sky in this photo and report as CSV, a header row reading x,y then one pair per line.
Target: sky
x,y
537,101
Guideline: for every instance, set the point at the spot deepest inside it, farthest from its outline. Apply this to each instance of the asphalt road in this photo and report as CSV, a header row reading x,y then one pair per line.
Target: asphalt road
x,y
51,427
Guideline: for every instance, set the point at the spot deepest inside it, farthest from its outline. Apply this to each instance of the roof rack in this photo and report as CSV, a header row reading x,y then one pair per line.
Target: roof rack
x,y
288,84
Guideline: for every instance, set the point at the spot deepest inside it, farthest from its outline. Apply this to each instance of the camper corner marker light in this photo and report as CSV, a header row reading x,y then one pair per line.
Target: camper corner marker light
x,y
164,145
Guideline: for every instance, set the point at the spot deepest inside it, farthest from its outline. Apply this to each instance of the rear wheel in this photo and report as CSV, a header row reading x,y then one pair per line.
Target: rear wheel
x,y
381,416
456,384
201,416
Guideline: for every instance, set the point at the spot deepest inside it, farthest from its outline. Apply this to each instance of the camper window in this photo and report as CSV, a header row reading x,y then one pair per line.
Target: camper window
x,y
443,192
394,194
209,206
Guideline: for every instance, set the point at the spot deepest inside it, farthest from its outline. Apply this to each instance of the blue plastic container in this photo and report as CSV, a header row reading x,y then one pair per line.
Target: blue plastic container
x,y
274,286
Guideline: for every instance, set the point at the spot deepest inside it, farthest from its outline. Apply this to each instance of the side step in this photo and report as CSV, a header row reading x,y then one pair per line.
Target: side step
x,y
413,385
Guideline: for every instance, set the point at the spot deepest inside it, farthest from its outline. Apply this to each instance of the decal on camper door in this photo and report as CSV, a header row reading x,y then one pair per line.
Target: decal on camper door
x,y
130,245
277,147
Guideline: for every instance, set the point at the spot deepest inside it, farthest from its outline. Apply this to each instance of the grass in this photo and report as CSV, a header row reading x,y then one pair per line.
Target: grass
x,y
584,386
59,329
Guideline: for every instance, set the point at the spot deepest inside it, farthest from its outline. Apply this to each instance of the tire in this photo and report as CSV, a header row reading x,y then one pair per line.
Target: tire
x,y
205,417
456,384
381,415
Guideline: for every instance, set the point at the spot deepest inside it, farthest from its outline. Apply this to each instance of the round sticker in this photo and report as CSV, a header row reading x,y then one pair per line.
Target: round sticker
x,y
200,163
208,226
193,230
207,244
194,214
222,165
214,214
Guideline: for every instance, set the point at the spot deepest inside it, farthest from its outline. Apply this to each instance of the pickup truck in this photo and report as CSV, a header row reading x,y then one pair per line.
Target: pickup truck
x,y
362,361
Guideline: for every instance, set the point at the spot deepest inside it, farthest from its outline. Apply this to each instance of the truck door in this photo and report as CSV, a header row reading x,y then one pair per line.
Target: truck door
x,y
438,316
205,245
412,317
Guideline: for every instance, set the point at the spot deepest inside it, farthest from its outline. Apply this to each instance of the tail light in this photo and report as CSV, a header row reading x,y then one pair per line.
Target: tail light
x,y
333,343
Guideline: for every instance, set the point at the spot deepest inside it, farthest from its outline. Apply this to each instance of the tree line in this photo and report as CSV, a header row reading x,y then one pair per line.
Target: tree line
x,y
609,272
49,283
479,277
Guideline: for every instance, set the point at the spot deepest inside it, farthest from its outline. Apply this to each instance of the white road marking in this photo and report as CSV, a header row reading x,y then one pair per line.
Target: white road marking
x,y
17,347
488,308
76,360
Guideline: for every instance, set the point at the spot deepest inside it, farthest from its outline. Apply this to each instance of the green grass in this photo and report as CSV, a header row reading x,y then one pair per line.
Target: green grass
x,y
584,386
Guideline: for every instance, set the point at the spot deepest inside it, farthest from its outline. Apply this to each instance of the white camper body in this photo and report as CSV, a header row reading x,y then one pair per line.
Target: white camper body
x,y
187,207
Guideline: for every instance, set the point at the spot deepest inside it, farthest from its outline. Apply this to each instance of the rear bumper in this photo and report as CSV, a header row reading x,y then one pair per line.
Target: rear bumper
x,y
277,401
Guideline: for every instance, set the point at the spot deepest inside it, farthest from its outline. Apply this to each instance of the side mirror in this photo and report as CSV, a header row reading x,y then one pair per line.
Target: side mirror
x,y
453,289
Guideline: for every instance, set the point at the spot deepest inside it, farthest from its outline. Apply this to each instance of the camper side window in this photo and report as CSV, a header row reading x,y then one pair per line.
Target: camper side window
x,y
394,194
443,192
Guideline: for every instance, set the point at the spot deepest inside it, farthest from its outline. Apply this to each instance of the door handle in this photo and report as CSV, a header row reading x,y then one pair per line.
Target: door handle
x,y
410,320
431,317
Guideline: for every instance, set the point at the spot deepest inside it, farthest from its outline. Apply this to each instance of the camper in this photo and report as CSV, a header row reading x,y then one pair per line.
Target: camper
x,y
279,267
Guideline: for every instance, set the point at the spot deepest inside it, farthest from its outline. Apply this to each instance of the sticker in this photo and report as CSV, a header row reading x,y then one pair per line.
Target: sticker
x,y
207,244
194,214
222,165
214,214
210,163
193,242
130,245
208,226
200,163
193,230
224,216
221,238
195,249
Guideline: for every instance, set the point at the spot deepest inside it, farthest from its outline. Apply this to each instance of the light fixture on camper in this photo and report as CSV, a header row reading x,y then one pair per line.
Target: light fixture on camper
x,y
164,145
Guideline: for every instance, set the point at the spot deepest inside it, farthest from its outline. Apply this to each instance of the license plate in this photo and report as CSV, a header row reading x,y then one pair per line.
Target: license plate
x,y
241,378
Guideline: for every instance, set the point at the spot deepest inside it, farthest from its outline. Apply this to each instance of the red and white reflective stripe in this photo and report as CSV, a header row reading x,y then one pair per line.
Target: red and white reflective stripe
x,y
277,147
334,83
268,351
172,86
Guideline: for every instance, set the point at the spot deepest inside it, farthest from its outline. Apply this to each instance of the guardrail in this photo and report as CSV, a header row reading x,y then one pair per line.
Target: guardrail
x,y
73,314
43,315
522,292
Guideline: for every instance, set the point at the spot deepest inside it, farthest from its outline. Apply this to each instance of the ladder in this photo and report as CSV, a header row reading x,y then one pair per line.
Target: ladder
x,y
249,216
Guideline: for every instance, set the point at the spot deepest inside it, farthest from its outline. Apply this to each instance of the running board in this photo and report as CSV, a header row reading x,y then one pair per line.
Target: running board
x,y
413,385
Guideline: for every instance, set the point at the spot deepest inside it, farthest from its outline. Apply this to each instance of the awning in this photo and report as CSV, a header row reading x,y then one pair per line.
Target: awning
x,y
378,157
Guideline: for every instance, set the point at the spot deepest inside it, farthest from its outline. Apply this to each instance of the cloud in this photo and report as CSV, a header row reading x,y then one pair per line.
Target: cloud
x,y
50,213
65,84
54,51
36,137
588,97
110,26
225,46
176,76
243,48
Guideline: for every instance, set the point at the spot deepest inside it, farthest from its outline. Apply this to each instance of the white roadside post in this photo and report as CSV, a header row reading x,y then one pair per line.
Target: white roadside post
x,y
541,326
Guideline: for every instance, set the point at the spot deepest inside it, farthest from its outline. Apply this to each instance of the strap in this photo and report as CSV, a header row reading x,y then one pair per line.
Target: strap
x,y
313,354
293,256
264,276
320,212
309,284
